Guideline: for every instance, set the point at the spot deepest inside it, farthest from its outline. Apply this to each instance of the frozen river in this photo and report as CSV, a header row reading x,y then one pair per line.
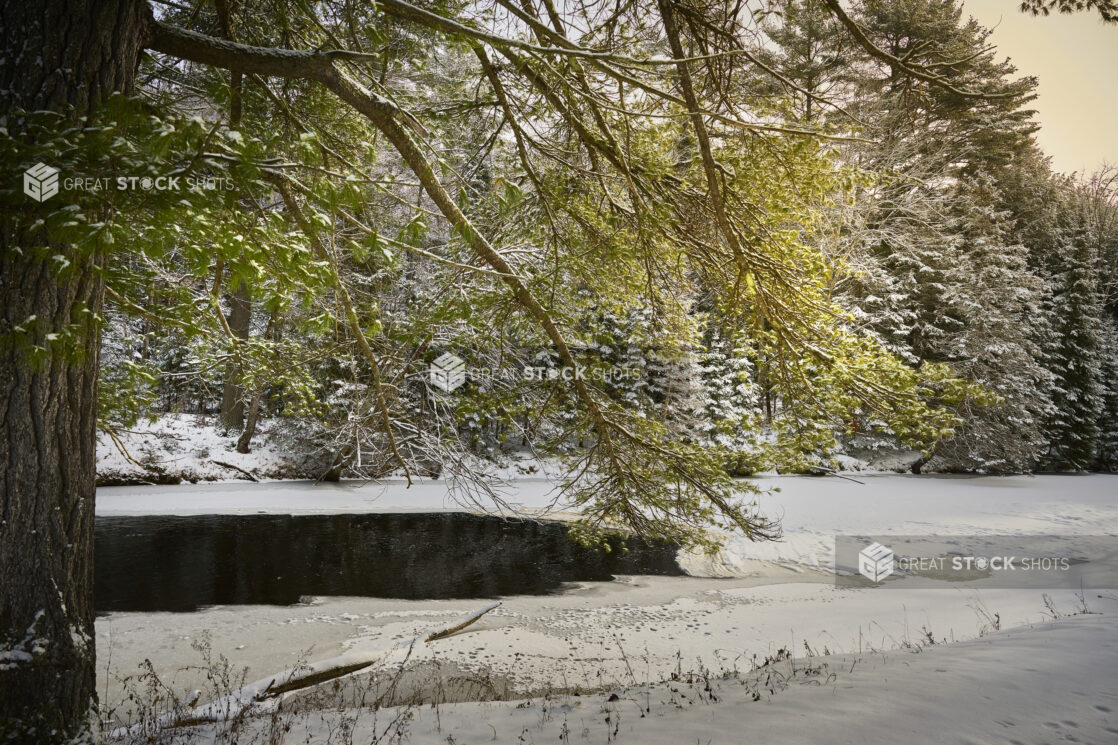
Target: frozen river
x,y
754,599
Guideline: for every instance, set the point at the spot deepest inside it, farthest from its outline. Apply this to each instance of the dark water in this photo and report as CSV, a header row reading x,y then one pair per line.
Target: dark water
x,y
182,563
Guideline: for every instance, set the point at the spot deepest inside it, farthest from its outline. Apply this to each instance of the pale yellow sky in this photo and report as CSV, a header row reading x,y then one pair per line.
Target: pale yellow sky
x,y
1076,59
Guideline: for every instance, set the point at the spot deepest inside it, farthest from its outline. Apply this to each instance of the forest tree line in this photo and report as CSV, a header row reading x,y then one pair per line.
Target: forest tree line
x,y
919,221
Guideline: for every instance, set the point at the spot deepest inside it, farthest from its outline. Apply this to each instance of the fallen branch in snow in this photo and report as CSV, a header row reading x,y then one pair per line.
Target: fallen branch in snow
x,y
123,450
223,464
461,623
833,472
313,678
268,691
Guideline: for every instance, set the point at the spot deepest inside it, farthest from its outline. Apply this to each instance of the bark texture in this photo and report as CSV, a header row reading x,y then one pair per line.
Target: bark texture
x,y
61,55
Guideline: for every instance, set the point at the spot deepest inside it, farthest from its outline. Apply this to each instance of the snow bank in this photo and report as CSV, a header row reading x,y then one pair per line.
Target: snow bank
x,y
1052,682
592,635
181,447
1049,682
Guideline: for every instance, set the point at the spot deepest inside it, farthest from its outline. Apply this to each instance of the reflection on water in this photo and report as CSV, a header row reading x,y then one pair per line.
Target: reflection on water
x,y
181,563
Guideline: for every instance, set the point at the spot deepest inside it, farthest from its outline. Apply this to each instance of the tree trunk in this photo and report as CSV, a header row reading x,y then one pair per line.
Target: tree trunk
x,y
245,440
342,460
240,312
926,458
233,393
58,54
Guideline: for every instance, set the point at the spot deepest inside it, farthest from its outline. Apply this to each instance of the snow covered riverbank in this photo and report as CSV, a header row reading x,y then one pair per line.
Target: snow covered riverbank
x,y
586,638
1052,682
755,600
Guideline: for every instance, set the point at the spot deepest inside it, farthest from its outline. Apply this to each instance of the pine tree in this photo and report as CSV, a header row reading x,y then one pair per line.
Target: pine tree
x,y
727,405
999,297
812,50
1107,456
1073,357
944,275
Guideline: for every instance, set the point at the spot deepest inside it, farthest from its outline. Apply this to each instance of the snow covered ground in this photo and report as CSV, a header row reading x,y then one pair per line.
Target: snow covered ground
x,y
752,602
177,448
1047,683
186,447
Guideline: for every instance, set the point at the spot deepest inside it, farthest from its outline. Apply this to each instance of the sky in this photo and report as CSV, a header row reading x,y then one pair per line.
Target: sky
x,y
1076,59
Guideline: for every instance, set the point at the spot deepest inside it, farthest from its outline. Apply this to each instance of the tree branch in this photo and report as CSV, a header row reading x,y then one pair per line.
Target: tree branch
x,y
351,314
910,69
385,116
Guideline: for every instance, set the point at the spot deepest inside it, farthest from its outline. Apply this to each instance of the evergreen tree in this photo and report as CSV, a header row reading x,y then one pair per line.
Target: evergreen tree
x,y
944,276
726,408
814,52
1107,451
999,297
1073,357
